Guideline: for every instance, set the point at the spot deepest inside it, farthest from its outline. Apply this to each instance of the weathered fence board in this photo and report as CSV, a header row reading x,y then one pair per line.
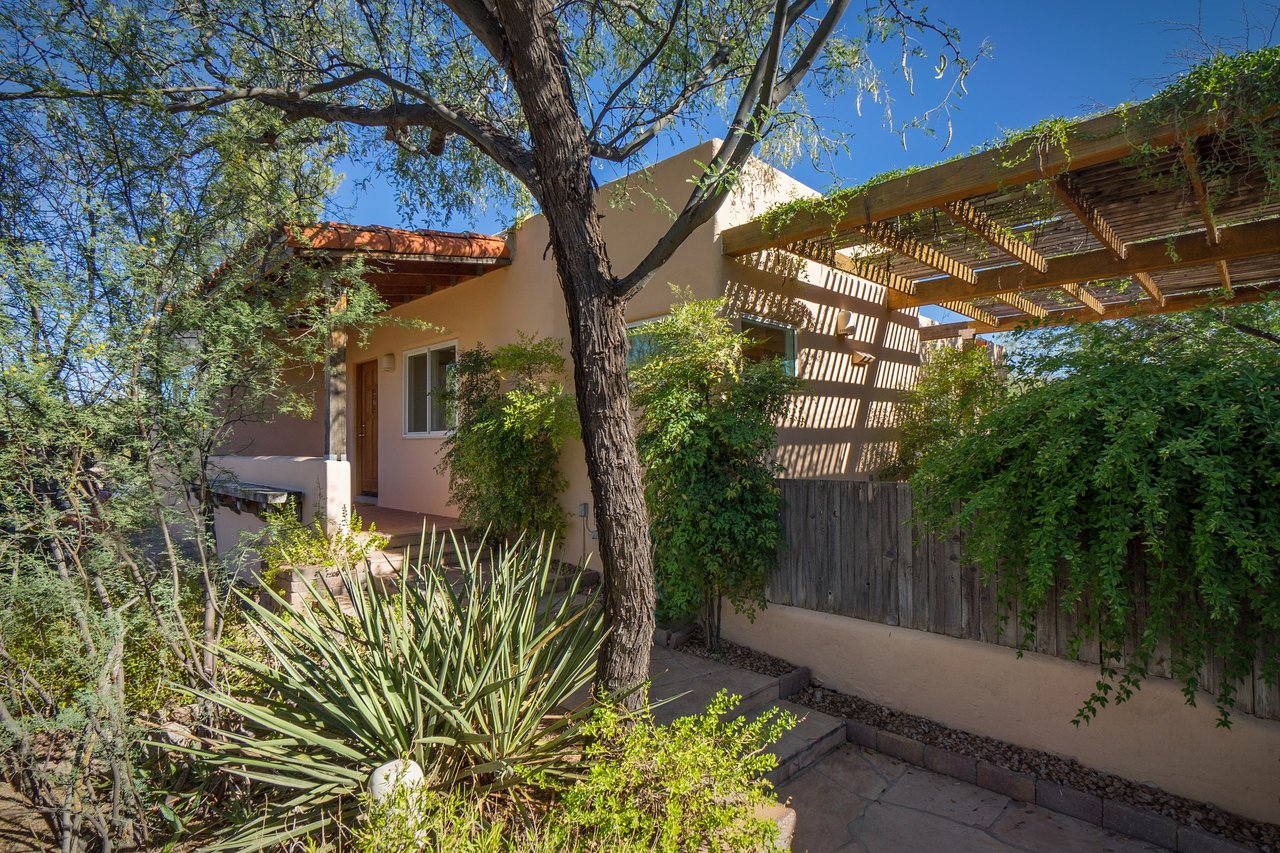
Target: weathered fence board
x,y
851,548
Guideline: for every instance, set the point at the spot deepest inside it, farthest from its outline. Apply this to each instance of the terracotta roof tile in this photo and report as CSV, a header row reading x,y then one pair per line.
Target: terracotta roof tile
x,y
340,236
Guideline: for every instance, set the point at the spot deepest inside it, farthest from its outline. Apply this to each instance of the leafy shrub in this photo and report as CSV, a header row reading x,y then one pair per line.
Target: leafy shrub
x,y
291,543
953,390
707,431
513,418
466,677
1158,440
689,785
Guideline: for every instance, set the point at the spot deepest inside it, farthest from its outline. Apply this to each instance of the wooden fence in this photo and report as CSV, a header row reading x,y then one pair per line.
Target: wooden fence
x,y
851,549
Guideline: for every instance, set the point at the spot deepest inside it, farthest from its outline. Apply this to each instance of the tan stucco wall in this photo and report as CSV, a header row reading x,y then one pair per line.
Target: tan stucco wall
x,y
324,483
985,689
287,435
838,427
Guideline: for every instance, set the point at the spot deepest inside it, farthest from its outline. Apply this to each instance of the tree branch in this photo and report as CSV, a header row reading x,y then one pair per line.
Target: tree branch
x,y
760,98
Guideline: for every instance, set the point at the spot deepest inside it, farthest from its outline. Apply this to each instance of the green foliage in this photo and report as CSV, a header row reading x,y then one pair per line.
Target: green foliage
x,y
707,431
1159,439
125,364
954,389
513,419
290,543
468,678
689,785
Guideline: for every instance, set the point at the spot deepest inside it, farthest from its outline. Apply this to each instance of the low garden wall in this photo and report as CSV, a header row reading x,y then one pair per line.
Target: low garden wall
x,y
986,689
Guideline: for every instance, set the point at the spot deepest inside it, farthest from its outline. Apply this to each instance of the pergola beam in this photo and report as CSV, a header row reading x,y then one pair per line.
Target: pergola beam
x,y
1147,283
886,235
898,287
1101,140
1242,295
1083,296
1064,186
967,216
968,309
1022,303
1192,163
1188,250
1224,276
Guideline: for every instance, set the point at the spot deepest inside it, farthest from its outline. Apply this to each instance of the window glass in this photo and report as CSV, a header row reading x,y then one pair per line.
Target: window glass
x,y
770,340
643,343
428,375
443,362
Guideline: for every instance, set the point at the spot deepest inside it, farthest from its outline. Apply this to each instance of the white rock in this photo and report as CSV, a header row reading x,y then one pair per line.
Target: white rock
x,y
386,778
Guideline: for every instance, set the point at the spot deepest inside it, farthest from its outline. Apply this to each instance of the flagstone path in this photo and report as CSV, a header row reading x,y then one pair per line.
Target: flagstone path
x,y
854,800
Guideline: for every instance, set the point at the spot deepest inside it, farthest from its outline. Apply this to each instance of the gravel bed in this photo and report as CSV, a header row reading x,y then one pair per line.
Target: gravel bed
x,y
1043,765
736,655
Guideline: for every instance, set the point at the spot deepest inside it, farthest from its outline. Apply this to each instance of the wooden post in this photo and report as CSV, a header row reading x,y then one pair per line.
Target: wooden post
x,y
335,388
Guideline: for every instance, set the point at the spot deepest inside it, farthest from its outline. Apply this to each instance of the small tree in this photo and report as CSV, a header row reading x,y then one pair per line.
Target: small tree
x,y
513,419
706,436
954,389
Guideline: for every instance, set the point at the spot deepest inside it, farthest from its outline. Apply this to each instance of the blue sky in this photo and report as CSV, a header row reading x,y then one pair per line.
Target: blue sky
x,y
1047,59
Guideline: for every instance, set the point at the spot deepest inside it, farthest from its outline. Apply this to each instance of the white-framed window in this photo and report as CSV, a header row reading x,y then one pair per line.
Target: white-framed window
x,y
642,345
428,377
768,339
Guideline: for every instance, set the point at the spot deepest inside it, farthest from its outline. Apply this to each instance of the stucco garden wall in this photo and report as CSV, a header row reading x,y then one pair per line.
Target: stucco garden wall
x,y
985,689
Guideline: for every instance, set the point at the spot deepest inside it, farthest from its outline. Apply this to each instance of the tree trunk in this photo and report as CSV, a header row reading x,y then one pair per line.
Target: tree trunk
x,y
598,332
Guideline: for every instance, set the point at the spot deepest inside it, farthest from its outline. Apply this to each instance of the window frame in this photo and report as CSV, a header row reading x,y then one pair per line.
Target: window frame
x,y
792,339
431,401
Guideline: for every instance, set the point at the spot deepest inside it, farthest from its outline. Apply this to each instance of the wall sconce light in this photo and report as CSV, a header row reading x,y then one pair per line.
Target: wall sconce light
x,y
388,362
860,357
844,323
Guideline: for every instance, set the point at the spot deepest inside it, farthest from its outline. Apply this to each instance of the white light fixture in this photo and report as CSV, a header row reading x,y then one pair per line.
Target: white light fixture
x,y
860,357
844,323
388,362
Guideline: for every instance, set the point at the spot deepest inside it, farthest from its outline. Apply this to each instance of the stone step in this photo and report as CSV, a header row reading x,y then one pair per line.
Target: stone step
x,y
686,684
813,738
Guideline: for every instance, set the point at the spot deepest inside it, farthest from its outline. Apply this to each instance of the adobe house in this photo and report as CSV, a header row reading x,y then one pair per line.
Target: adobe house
x,y
375,439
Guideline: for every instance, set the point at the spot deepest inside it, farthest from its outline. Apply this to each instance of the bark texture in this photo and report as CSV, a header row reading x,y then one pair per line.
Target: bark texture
x,y
598,334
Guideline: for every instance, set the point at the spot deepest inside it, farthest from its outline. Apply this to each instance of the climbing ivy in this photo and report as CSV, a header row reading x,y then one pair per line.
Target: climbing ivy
x,y
707,433
1137,475
513,419
1244,88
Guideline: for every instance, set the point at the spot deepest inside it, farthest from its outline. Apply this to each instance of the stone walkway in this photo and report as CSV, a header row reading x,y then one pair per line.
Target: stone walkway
x,y
854,800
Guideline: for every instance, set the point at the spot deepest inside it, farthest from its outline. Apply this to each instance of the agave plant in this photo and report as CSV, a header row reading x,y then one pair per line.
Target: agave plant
x,y
467,672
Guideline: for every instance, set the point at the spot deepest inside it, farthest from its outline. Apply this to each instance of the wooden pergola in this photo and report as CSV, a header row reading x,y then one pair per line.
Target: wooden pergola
x,y
1117,222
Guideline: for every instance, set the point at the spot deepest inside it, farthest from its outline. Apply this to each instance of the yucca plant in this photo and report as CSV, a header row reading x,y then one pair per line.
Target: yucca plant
x,y
467,672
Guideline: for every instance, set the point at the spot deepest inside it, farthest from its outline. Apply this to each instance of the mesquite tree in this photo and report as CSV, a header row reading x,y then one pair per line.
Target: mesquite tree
x,y
485,99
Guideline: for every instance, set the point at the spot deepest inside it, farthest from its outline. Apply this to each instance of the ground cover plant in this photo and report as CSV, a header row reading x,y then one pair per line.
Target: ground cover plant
x,y
1136,473
692,784
708,426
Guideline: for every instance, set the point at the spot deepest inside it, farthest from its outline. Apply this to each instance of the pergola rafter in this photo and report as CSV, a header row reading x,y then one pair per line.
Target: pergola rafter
x,y
1073,220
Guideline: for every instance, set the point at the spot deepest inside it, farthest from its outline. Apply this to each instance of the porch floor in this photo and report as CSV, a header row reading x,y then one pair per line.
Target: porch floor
x,y
402,524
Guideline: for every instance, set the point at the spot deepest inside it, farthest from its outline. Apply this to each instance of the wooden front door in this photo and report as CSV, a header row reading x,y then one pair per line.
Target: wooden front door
x,y
367,428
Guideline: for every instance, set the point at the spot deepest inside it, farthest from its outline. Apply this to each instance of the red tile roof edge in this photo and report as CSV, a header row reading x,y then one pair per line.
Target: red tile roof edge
x,y
341,236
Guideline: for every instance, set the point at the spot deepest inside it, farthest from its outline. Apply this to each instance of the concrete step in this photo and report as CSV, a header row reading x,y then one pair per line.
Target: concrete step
x,y
687,683
814,737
